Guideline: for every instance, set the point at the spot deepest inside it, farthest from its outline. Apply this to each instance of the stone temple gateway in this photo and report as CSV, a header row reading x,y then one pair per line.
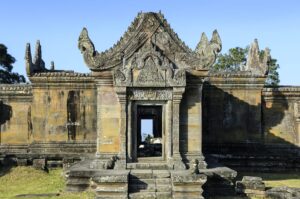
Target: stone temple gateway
x,y
94,121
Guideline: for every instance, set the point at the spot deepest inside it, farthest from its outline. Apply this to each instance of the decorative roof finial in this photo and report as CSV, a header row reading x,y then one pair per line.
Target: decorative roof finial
x,y
38,61
37,65
52,67
28,60
255,63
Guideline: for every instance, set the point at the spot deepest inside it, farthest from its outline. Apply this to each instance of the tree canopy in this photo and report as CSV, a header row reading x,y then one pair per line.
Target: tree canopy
x,y
235,59
6,67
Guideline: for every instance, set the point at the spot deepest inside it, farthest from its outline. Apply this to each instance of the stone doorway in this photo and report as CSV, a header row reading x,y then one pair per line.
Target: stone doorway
x,y
149,131
148,135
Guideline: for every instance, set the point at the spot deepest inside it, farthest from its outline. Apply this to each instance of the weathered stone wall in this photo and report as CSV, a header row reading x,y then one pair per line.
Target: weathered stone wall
x,y
239,110
232,109
15,101
281,114
50,109
34,117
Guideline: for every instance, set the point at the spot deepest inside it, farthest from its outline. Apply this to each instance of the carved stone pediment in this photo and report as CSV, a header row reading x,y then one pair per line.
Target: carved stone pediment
x,y
149,67
150,28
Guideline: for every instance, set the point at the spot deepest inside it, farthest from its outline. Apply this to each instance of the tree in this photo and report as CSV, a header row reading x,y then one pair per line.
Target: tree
x,y
6,66
236,59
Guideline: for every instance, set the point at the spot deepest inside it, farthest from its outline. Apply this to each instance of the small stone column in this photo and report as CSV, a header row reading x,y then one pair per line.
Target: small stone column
x,y
297,120
129,131
121,92
177,96
298,130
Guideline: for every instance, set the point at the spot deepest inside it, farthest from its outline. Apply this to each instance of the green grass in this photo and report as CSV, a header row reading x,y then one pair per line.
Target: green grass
x,y
27,180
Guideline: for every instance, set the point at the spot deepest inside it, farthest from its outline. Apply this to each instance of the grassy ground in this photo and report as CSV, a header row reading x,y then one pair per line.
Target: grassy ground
x,y
26,180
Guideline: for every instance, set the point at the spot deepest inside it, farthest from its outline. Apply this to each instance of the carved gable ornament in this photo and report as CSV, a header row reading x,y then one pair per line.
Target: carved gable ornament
x,y
150,54
148,67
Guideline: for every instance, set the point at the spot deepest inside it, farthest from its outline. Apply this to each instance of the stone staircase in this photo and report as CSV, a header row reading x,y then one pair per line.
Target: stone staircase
x,y
149,183
138,181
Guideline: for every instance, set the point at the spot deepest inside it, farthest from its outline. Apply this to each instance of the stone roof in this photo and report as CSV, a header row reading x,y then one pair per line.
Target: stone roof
x,y
154,28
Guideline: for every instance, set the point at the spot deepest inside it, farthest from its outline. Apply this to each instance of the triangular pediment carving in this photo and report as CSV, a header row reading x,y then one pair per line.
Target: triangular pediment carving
x,y
150,28
149,74
149,67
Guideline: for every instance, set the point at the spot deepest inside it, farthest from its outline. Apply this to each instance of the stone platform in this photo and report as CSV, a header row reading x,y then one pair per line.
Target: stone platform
x,y
141,180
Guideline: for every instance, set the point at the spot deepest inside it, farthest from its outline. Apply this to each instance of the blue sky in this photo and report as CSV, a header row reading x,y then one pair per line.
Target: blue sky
x,y
58,23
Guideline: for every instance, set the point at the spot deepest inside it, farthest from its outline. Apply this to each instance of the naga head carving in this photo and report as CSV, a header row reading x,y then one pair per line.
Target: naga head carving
x,y
85,44
207,51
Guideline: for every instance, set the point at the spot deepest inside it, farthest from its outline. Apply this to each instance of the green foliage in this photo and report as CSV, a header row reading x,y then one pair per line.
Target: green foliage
x,y
233,60
6,66
236,59
273,75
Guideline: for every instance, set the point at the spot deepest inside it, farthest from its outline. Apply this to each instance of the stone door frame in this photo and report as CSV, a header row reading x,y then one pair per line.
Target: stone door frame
x,y
132,132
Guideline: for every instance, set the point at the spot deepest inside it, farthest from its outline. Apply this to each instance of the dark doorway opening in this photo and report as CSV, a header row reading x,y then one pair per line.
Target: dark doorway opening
x,y
149,131
72,113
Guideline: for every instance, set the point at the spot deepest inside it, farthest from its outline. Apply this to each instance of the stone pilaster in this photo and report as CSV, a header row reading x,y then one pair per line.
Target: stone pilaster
x,y
177,96
298,130
121,92
297,116
103,80
194,100
129,131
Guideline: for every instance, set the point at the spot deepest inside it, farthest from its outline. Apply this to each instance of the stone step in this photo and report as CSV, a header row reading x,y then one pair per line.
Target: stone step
x,y
111,188
141,174
163,181
77,181
141,181
111,196
149,188
132,188
164,188
146,165
151,195
161,174
157,181
77,188
163,195
142,195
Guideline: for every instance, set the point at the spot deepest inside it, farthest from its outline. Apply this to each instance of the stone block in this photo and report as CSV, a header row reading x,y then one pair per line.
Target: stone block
x,y
39,164
161,174
142,174
283,193
22,162
252,186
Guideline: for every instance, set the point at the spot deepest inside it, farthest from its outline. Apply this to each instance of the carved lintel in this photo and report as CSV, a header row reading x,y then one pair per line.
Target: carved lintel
x,y
150,94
